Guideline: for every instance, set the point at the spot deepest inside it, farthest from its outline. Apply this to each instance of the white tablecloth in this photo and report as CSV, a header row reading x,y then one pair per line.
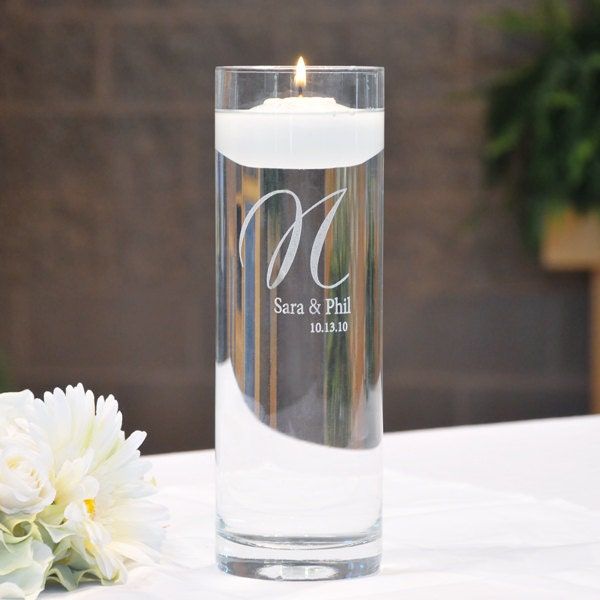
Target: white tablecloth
x,y
508,511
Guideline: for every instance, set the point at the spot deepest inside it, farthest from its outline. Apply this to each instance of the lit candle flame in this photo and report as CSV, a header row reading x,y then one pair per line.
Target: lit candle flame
x,y
300,76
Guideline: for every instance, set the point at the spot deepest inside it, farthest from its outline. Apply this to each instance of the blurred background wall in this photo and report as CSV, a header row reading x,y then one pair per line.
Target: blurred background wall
x,y
106,208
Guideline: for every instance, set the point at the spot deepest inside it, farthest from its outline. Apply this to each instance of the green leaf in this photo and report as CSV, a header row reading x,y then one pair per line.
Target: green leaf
x,y
580,157
506,141
561,99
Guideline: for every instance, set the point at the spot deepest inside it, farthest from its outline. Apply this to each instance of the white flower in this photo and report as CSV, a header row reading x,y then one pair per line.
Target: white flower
x,y
25,460
101,519
24,562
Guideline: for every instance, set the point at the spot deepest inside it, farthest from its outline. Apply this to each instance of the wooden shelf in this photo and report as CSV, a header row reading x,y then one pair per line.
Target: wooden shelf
x,y
572,243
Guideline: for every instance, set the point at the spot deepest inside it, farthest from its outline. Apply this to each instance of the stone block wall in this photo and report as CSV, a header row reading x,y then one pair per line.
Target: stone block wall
x,y
106,208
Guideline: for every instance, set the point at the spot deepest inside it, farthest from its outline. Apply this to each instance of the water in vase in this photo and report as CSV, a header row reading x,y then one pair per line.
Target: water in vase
x,y
298,372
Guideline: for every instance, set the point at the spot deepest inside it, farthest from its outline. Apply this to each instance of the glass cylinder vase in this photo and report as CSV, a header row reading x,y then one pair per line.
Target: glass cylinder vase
x,y
299,248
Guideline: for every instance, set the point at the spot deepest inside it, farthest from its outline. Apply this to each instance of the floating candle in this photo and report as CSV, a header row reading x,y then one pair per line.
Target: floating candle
x,y
299,132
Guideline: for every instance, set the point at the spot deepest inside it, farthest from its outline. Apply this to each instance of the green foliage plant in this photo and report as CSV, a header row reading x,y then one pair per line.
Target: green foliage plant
x,y
543,117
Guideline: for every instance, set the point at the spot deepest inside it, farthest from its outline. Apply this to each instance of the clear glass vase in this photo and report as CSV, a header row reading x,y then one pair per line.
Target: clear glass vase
x,y
299,209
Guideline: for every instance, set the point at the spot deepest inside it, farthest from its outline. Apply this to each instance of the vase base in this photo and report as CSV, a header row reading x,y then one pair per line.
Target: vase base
x,y
298,560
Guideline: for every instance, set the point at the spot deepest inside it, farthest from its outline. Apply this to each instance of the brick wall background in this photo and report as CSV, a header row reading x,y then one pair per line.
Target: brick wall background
x,y
106,208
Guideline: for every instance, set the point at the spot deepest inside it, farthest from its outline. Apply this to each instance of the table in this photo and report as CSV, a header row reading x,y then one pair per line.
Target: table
x,y
504,511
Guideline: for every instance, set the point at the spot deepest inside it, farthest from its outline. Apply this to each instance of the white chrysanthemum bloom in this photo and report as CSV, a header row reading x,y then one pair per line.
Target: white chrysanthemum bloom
x,y
24,562
101,519
25,459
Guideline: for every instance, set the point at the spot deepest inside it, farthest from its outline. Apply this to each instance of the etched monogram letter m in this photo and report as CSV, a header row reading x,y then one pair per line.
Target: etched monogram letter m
x,y
294,233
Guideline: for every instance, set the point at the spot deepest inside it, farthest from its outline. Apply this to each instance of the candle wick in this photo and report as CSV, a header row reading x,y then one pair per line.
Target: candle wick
x,y
300,91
